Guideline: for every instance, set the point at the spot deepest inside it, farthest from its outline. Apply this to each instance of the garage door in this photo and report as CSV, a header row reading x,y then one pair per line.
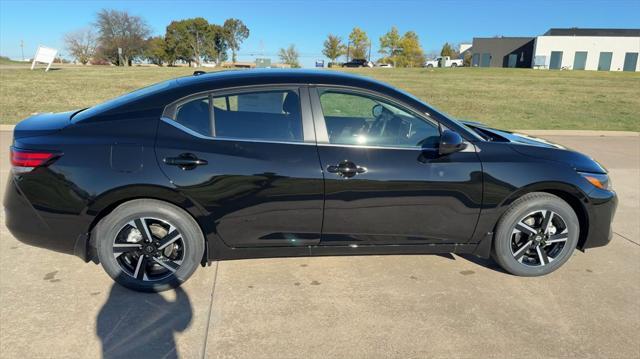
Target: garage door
x,y
630,61
556,60
604,64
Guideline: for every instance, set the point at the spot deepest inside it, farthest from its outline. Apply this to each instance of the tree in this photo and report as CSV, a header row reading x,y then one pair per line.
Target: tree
x,y
289,56
333,48
358,44
411,52
219,43
119,30
192,40
235,32
390,45
447,50
81,44
154,50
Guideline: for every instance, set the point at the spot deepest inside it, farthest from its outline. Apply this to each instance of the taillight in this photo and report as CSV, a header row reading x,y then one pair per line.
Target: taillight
x,y
27,160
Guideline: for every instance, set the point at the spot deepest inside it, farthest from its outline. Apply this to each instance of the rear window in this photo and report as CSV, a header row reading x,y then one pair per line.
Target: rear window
x,y
121,100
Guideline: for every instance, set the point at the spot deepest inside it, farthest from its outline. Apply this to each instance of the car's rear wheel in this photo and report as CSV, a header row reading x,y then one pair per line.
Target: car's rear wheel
x,y
149,245
536,235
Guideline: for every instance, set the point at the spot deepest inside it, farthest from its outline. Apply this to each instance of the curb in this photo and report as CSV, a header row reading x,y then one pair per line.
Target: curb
x,y
579,133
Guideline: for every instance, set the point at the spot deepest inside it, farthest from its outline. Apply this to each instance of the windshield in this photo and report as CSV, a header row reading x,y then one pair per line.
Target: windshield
x,y
113,103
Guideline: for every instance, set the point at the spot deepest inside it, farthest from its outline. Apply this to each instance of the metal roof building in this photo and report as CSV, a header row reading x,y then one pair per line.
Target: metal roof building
x,y
563,48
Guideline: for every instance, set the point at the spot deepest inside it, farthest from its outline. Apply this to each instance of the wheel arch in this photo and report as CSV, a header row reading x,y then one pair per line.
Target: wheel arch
x,y
567,192
571,194
103,205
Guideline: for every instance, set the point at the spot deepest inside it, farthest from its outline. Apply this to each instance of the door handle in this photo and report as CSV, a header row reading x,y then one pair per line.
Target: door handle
x,y
186,161
346,169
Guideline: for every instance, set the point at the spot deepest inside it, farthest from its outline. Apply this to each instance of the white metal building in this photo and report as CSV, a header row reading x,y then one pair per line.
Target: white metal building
x,y
588,49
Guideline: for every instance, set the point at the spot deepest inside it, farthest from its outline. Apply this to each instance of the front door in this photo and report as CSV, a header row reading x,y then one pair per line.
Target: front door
x,y
384,181
513,60
246,160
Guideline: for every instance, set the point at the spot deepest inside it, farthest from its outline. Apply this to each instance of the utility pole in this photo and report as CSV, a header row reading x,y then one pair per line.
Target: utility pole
x,y
22,48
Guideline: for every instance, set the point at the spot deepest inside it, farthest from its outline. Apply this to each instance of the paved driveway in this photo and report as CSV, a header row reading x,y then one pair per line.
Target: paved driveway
x,y
53,305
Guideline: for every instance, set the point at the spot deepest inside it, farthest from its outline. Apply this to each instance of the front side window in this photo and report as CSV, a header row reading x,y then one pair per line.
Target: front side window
x,y
355,119
262,115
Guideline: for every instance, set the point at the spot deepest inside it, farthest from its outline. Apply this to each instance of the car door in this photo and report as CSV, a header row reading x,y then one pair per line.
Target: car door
x,y
248,158
385,182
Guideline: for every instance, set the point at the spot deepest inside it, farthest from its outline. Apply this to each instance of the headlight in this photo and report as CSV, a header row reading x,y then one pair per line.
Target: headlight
x,y
597,179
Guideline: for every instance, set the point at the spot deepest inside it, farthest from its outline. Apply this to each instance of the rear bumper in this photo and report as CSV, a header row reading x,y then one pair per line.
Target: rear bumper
x,y
38,228
601,210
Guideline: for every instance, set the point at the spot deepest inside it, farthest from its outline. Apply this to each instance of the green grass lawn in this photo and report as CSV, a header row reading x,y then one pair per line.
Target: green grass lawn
x,y
505,98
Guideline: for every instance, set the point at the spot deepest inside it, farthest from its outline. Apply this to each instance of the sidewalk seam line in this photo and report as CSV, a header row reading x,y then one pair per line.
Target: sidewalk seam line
x,y
620,235
206,331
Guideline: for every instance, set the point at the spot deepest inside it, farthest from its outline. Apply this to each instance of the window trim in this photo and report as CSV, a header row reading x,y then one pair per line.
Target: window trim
x,y
169,112
321,127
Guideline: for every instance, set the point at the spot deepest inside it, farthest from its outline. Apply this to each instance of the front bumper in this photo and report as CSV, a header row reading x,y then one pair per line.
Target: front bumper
x,y
600,210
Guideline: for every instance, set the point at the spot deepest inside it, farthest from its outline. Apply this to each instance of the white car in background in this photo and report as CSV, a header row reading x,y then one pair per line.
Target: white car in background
x,y
444,61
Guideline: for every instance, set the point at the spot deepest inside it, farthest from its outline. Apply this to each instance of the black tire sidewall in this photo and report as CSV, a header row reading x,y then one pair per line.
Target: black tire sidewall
x,y
527,204
108,227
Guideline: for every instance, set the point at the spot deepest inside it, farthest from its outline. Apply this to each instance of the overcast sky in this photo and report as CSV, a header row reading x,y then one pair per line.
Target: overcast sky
x,y
276,24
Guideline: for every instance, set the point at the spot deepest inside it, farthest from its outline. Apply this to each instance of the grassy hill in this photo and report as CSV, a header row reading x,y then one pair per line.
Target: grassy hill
x,y
506,98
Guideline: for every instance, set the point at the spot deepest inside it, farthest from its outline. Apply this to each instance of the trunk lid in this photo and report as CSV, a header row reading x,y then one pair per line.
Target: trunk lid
x,y
42,124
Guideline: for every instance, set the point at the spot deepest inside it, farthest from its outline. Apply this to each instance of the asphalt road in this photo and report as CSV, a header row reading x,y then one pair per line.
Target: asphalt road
x,y
53,305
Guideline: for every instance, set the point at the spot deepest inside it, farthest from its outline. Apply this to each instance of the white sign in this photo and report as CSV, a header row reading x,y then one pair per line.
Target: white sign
x,y
44,55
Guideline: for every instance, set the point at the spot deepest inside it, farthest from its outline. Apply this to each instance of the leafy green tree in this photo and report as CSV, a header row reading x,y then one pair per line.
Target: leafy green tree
x,y
192,40
289,56
333,48
411,54
120,30
220,43
447,50
154,50
236,32
390,46
358,44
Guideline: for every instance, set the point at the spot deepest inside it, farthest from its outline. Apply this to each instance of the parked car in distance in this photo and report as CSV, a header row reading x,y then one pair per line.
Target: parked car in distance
x,y
268,163
358,63
444,61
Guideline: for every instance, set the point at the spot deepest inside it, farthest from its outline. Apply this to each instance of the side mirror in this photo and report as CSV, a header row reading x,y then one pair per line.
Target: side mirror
x,y
450,142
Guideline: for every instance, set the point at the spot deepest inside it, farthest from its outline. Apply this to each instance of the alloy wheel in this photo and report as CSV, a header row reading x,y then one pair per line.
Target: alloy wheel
x,y
149,249
539,238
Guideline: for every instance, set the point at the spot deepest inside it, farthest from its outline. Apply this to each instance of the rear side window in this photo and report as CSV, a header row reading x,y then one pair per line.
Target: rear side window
x,y
262,115
194,115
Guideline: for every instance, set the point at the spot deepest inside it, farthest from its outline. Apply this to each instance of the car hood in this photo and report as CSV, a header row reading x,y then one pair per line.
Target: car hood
x,y
538,148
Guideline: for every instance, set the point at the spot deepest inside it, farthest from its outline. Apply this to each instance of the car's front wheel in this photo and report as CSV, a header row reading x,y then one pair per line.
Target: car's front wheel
x,y
536,235
149,245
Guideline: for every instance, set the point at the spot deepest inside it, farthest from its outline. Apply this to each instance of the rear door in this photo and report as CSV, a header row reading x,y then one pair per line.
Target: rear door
x,y
248,158
384,180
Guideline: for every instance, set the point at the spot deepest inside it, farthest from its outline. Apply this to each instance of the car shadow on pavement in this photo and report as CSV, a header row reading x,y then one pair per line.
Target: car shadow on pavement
x,y
484,262
142,325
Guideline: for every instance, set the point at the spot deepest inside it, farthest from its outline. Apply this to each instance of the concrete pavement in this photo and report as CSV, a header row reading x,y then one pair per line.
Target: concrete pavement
x,y
53,305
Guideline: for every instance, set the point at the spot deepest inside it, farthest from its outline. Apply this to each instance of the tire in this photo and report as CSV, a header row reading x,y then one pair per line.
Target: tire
x,y
521,252
168,260
454,65
430,66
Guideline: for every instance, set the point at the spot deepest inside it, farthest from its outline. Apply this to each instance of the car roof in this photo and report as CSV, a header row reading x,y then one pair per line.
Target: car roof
x,y
281,76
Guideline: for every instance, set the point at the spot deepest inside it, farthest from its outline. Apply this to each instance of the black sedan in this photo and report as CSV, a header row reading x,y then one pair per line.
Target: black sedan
x,y
246,164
